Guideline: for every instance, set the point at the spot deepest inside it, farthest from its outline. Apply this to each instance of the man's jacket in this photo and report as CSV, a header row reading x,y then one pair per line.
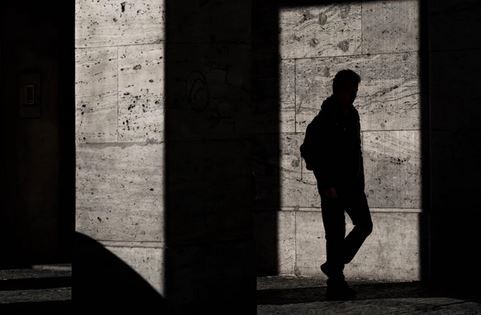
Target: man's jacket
x,y
332,147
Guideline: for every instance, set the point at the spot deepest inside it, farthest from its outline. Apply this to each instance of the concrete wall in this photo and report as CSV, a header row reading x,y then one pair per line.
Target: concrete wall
x,y
163,174
208,171
380,41
214,134
119,129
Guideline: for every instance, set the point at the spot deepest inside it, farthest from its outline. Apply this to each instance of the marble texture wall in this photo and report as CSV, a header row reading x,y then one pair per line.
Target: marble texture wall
x,y
380,41
119,91
120,136
163,159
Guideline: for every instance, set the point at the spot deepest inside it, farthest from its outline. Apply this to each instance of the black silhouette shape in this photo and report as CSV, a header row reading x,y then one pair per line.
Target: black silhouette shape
x,y
332,150
104,281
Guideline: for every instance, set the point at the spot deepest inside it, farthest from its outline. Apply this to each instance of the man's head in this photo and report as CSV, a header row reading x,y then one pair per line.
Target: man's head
x,y
345,86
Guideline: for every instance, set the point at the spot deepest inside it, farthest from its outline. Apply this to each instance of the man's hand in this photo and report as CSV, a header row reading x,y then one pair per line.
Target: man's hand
x,y
329,192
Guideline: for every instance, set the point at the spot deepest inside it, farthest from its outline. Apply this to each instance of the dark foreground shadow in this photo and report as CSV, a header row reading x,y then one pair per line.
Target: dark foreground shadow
x,y
39,283
45,307
103,281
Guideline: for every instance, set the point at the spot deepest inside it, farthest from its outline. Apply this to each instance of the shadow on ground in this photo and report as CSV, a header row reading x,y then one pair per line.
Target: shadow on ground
x,y
102,279
365,291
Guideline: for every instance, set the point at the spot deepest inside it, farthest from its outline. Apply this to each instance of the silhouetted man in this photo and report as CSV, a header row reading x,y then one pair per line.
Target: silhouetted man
x,y
335,156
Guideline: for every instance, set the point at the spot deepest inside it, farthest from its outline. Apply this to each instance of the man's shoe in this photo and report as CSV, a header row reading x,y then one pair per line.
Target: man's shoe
x,y
325,270
340,291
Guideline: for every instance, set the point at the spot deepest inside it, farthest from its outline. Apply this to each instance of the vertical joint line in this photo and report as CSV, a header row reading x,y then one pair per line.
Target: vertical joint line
x,y
362,40
295,93
117,91
295,243
295,108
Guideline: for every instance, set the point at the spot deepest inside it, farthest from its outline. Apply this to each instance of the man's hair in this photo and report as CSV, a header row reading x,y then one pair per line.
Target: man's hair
x,y
343,78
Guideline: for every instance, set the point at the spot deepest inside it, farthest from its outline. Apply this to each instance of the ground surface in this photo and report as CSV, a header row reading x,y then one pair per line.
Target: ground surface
x,y
44,288
49,289
287,295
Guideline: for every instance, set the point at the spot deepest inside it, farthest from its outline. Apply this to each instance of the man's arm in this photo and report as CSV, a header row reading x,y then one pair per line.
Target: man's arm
x,y
323,170
359,148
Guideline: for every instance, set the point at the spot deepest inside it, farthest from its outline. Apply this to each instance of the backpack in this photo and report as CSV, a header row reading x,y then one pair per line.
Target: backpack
x,y
309,148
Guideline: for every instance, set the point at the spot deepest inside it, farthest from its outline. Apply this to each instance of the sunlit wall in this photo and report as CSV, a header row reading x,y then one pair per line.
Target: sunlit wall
x,y
119,97
380,41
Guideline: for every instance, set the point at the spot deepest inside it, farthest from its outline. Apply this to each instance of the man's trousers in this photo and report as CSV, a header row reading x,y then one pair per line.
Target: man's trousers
x,y
340,249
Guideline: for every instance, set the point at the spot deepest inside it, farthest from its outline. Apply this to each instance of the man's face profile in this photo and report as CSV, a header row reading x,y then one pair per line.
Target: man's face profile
x,y
346,94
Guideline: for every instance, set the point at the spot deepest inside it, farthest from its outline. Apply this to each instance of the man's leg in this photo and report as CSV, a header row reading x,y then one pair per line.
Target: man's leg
x,y
358,211
335,230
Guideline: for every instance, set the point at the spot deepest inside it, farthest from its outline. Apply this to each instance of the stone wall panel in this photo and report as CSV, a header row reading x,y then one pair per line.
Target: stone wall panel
x,y
317,31
120,192
141,93
118,22
96,95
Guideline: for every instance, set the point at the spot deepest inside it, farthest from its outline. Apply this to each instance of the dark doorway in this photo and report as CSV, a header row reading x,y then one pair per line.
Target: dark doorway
x,y
37,120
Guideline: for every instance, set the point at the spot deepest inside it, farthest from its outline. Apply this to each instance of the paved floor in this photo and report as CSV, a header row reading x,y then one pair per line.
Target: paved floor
x,y
43,288
49,289
288,295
